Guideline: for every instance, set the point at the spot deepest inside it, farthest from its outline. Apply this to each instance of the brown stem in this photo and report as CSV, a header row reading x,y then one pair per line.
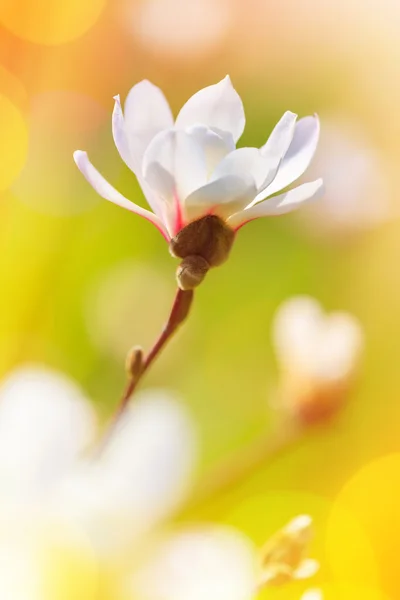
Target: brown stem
x,y
179,312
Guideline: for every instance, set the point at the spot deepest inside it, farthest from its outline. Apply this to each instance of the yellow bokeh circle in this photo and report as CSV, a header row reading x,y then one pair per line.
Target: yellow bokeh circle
x,y
49,22
348,592
363,536
13,142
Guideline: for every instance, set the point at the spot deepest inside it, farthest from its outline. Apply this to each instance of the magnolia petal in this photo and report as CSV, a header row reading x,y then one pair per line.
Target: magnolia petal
x,y
222,197
131,152
146,113
120,136
281,136
200,564
214,144
279,205
243,162
179,154
45,423
108,192
217,106
162,182
298,156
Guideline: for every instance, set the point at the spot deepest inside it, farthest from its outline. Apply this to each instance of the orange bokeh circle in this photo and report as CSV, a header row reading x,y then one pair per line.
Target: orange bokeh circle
x,y
49,22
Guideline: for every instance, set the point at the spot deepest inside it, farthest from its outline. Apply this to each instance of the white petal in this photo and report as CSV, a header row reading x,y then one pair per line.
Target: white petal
x,y
180,155
279,205
313,594
281,136
223,197
319,346
296,328
45,422
217,106
203,564
246,161
215,146
140,477
106,190
154,449
131,151
146,113
340,345
307,568
120,136
162,182
298,156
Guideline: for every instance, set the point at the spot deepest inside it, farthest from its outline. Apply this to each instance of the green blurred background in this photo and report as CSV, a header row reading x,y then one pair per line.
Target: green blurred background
x,y
82,280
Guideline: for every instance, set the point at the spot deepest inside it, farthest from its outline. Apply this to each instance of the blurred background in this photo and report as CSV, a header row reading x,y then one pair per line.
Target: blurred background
x,y
82,280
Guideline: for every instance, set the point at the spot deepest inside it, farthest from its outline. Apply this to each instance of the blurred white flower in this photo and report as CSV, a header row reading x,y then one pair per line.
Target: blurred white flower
x,y
199,564
200,188
143,473
46,422
64,511
284,557
357,184
318,355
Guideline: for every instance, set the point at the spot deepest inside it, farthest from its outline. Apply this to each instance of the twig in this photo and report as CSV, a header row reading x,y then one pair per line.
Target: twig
x,y
179,312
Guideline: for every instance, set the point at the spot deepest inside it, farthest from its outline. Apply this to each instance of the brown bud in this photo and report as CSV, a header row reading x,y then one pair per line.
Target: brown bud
x,y
134,361
191,272
209,237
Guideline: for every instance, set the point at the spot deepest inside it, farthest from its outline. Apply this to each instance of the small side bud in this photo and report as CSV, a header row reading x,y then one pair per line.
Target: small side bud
x,y
191,272
134,361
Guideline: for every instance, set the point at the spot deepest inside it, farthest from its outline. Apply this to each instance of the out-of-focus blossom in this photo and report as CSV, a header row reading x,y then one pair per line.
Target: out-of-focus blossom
x,y
180,30
199,564
46,423
318,355
200,188
357,193
284,557
68,510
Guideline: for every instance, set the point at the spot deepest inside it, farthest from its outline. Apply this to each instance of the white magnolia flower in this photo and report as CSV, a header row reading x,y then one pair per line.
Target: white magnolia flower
x,y
317,353
55,494
190,169
199,564
322,346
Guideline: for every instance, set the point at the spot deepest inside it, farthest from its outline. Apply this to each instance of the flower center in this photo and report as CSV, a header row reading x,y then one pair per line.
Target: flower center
x,y
202,244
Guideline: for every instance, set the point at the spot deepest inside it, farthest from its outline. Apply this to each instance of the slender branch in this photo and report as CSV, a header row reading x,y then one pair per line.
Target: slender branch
x,y
179,312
